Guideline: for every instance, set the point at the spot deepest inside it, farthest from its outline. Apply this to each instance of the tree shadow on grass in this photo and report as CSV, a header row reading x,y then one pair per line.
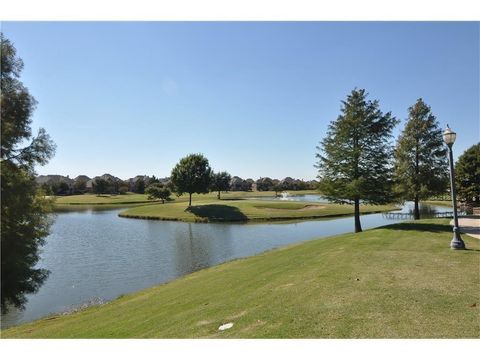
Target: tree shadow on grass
x,y
217,212
420,227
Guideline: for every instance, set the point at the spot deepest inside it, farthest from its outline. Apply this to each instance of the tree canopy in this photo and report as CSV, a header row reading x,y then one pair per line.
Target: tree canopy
x,y
24,211
221,182
354,158
191,175
158,191
467,171
421,165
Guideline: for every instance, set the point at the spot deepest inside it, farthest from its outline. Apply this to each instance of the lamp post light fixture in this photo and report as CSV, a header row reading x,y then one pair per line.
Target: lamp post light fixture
x,y
457,243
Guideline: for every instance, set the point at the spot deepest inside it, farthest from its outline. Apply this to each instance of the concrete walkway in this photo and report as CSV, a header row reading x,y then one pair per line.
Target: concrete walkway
x,y
469,226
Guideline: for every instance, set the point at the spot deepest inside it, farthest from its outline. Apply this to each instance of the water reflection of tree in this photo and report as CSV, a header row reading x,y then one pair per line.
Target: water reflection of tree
x,y
201,245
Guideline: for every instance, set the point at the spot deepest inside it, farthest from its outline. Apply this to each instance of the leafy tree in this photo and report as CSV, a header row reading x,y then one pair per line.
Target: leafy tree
x,y
191,175
80,186
221,182
278,188
122,187
24,211
47,189
247,184
63,188
154,180
467,171
114,187
140,186
421,168
158,191
264,184
354,158
100,186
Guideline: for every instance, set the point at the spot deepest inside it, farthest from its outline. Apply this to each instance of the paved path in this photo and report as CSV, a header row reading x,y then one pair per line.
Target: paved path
x,y
469,226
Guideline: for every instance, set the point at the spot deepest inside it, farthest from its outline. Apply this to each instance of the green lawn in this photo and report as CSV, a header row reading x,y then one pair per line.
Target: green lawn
x,y
92,199
438,202
244,210
106,201
400,281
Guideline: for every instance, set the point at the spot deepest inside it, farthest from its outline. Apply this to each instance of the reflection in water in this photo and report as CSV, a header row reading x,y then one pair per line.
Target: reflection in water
x,y
98,255
426,211
201,245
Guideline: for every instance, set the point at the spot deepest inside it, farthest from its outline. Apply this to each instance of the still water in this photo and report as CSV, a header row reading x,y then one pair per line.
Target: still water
x,y
306,197
96,255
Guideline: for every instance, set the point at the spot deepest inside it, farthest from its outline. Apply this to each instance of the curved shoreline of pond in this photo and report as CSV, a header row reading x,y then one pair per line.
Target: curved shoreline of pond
x,y
254,220
98,255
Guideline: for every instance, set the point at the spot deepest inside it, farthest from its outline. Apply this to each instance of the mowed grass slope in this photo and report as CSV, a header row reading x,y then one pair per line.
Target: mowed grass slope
x,y
401,281
244,210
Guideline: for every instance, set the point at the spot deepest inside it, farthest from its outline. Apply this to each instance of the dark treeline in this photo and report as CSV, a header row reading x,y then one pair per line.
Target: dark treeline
x,y
109,184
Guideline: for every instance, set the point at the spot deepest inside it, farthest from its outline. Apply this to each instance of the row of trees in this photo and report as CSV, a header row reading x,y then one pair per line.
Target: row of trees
x,y
193,174
358,163
99,185
109,185
267,184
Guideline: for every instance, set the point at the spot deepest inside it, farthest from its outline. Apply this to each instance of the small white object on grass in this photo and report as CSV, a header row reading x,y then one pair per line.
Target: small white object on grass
x,y
225,326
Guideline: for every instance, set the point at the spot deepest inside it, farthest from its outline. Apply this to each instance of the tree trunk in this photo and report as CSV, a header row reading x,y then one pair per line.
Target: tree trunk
x,y
416,210
218,195
190,200
358,226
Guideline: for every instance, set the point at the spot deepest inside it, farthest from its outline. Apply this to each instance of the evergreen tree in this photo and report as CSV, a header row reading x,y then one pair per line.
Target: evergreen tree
x,y
191,175
421,164
354,159
24,211
467,171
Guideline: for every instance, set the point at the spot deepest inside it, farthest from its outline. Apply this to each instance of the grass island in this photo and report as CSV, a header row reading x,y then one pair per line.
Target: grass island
x,y
238,210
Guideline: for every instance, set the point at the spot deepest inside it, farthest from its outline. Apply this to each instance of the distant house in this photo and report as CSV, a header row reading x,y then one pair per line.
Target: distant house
x,y
112,180
89,186
53,179
238,184
56,183
82,178
133,181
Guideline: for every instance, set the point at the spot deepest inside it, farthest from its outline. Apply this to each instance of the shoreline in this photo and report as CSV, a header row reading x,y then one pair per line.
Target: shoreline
x,y
264,304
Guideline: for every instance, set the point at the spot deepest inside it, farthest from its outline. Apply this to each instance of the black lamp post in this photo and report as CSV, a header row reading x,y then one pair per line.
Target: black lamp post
x,y
457,243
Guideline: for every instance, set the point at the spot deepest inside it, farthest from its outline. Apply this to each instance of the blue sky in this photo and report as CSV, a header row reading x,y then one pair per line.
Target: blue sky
x,y
255,98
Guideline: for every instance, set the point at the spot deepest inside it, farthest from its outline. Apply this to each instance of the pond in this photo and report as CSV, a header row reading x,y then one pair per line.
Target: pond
x,y
98,256
287,197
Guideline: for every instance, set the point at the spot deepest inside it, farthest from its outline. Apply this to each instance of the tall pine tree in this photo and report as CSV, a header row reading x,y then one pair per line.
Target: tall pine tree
x,y
354,159
421,167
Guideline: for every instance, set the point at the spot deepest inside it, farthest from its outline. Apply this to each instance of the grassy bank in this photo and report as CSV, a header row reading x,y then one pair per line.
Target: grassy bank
x,y
401,281
244,210
100,202
447,203
107,201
